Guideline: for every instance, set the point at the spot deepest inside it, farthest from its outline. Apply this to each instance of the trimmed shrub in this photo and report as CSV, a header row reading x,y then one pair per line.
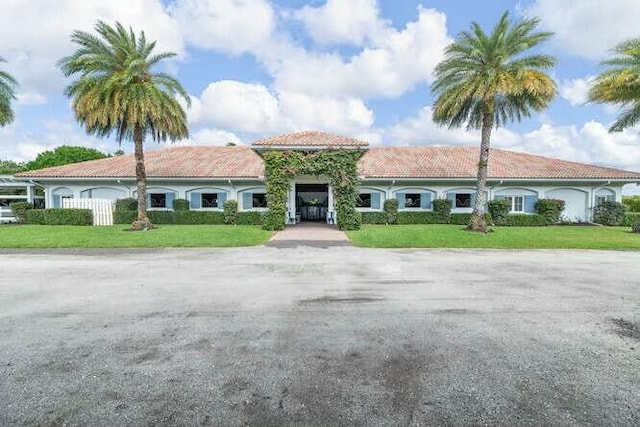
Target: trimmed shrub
x,y
418,217
608,212
230,212
124,216
499,210
349,218
60,216
442,211
35,216
180,205
632,203
391,212
550,209
128,204
251,218
630,219
171,217
464,218
524,220
376,217
19,210
195,217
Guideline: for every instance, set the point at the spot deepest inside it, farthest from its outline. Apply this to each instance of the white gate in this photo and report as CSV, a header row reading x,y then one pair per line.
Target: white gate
x,y
102,208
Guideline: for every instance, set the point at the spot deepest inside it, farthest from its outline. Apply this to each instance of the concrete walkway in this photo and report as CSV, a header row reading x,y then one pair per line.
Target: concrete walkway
x,y
309,234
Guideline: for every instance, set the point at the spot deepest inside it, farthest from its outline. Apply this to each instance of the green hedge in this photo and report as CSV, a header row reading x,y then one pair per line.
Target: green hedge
x,y
630,219
375,218
188,217
418,217
250,218
60,216
128,204
20,209
181,205
524,220
422,217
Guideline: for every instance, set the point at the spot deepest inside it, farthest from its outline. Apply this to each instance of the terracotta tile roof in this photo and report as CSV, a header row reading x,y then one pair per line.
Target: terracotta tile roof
x,y
172,162
377,162
309,138
461,162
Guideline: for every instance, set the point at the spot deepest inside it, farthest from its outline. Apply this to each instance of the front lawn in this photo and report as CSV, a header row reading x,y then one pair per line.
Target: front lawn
x,y
453,236
58,236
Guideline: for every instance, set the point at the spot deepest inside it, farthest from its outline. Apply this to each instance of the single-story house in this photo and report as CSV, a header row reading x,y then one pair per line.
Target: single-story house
x,y
206,176
18,190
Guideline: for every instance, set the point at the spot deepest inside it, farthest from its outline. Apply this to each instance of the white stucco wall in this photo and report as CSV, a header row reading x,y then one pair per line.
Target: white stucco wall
x,y
580,197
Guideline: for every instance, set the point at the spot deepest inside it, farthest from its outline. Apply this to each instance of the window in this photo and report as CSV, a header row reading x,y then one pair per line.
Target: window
x,y
463,200
412,200
209,200
516,203
605,198
158,200
259,200
364,200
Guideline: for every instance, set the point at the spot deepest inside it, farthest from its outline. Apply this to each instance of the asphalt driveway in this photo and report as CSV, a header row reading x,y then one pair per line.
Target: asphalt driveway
x,y
320,336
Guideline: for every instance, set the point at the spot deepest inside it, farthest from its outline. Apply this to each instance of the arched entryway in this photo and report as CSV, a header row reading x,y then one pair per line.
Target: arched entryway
x,y
312,202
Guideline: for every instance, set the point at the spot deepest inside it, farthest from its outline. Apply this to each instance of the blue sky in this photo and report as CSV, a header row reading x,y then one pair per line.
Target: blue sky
x,y
361,68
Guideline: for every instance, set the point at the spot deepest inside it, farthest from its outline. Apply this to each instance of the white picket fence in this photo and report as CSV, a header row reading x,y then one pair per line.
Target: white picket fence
x,y
102,208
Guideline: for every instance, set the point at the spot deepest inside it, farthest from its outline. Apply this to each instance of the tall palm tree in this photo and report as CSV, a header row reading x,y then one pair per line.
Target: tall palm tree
x,y
486,80
7,94
117,92
620,85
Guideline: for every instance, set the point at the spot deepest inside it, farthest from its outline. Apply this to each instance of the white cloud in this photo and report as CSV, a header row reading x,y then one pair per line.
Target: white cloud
x,y
209,136
344,116
576,91
242,107
395,64
30,98
421,130
252,108
339,21
588,28
19,144
233,26
589,143
34,35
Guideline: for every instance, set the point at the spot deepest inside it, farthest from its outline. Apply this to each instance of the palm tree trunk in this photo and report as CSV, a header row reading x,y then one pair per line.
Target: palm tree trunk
x,y
143,222
478,222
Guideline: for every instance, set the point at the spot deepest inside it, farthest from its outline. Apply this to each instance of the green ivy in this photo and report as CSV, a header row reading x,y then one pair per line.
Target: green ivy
x,y
340,166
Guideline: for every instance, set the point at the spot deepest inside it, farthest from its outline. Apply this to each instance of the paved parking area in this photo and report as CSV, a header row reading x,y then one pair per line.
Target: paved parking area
x,y
319,336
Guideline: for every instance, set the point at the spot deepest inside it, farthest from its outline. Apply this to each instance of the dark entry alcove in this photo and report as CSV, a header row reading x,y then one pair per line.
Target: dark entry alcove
x,y
312,201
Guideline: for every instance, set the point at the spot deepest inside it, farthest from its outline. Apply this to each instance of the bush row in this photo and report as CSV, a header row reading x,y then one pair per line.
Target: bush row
x,y
59,216
188,217
630,219
515,220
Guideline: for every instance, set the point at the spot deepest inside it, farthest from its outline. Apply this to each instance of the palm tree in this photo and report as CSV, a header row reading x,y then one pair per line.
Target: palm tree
x,y
7,94
486,80
620,85
118,92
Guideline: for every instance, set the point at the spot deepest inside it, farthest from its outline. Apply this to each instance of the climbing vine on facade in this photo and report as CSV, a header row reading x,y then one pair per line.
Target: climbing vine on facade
x,y
340,166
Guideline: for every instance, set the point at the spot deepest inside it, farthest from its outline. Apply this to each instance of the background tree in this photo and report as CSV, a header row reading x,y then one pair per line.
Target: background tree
x,y
486,80
620,85
7,94
9,167
118,92
64,155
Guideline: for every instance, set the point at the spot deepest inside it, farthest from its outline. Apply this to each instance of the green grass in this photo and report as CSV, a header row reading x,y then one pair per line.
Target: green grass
x,y
453,236
57,236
